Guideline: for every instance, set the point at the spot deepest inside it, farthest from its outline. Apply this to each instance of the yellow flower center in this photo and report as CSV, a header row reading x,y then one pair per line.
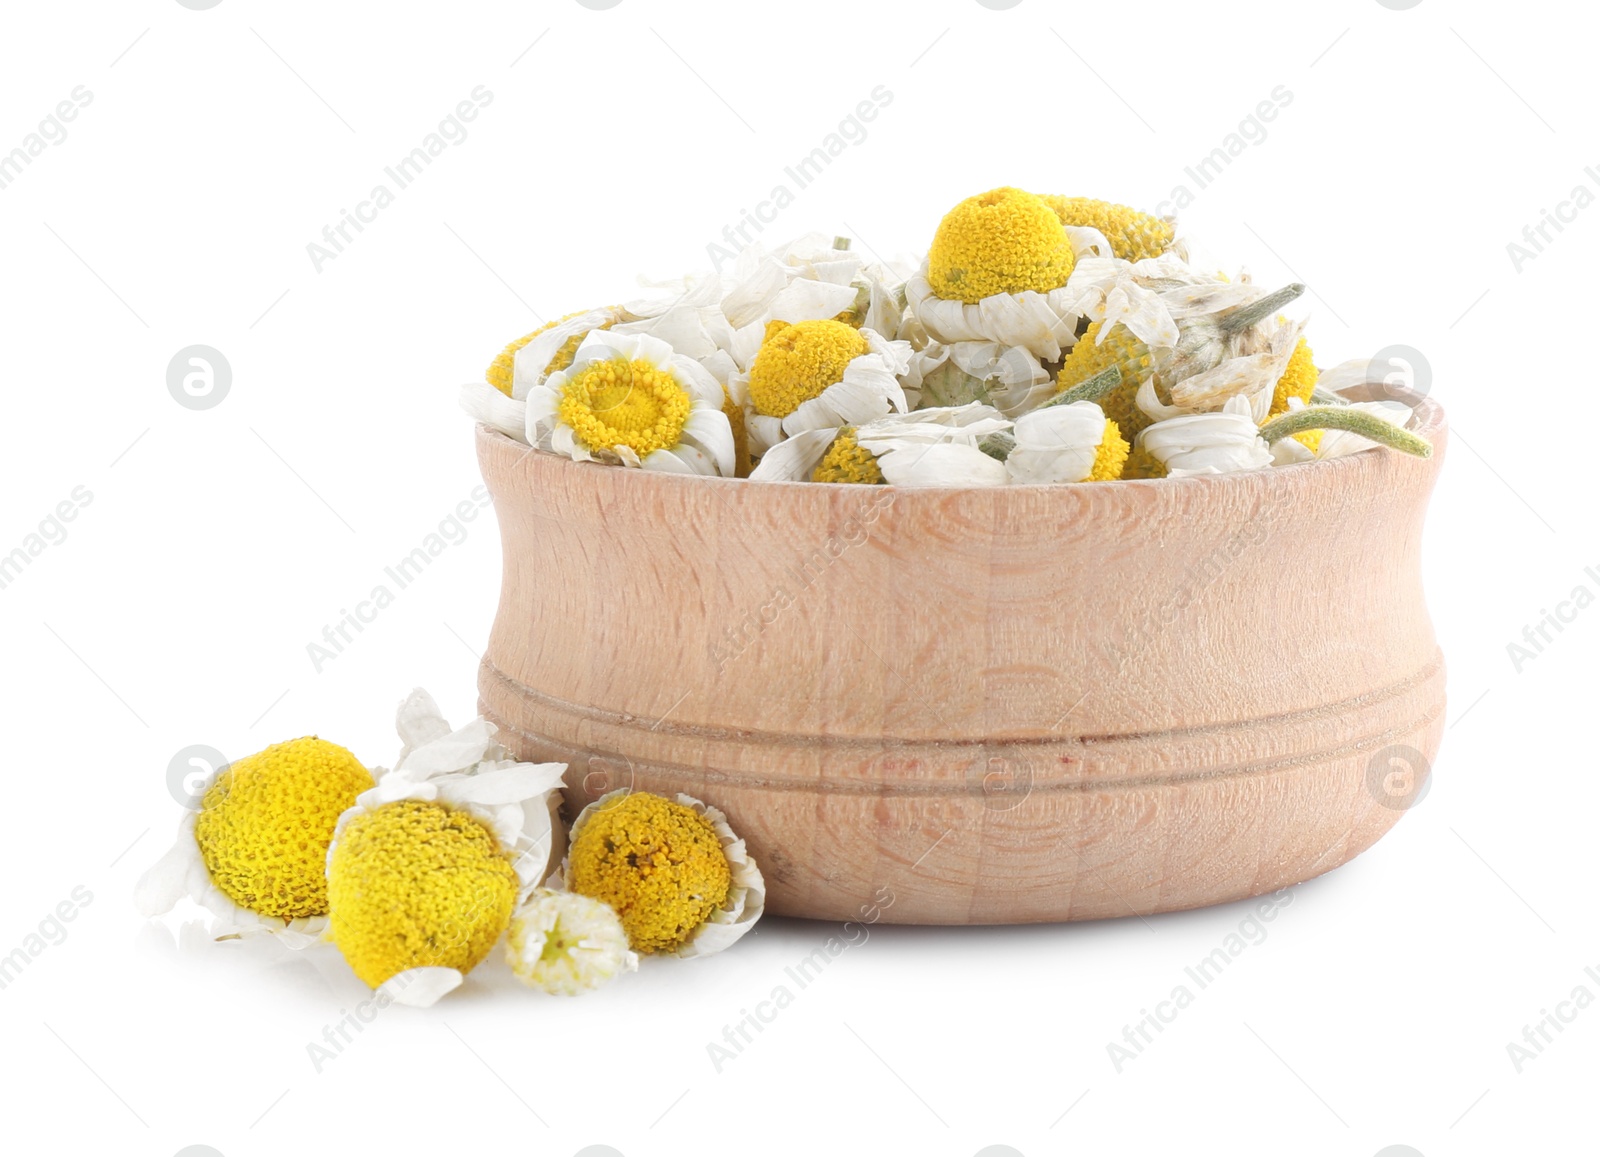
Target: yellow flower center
x,y
846,461
621,403
417,884
797,362
265,824
1121,349
1002,241
658,863
1310,439
1133,235
1110,457
1299,379
502,370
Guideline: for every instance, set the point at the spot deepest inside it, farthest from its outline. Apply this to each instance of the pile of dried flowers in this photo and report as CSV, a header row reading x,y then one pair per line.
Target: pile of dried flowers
x,y
416,873
1042,339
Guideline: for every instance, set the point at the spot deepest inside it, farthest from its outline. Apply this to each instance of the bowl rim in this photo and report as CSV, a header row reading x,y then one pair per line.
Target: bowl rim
x,y
1428,420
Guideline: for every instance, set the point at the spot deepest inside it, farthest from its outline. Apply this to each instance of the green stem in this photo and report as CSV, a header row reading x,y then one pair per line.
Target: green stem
x,y
1092,390
841,242
998,445
1247,315
1345,418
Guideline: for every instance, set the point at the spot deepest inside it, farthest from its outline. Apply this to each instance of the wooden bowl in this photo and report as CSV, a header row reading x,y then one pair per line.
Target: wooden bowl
x,y
1016,704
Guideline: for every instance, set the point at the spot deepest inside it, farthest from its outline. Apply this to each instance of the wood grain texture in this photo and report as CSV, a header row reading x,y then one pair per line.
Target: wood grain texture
x,y
1016,704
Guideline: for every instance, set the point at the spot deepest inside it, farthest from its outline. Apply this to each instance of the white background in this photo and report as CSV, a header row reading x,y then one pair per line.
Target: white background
x,y
218,544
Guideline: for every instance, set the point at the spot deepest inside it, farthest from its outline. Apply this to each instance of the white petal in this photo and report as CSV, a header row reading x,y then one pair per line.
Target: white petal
x,y
491,407
502,785
681,327
793,459
529,362
420,987
166,881
707,430
672,462
607,345
941,465
748,302
765,431
806,300
461,748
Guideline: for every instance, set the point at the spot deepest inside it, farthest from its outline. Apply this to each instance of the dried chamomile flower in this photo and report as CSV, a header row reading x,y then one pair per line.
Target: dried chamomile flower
x,y
1133,235
678,878
1212,356
253,853
1071,443
564,336
628,399
566,944
997,271
814,375
1220,442
425,870
933,447
1008,378
499,401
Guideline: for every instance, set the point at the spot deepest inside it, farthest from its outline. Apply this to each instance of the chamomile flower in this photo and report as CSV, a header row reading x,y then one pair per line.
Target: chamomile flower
x,y
253,852
821,374
1220,442
933,447
1133,235
673,871
1196,341
554,344
1071,443
499,401
997,271
566,944
1007,377
629,399
426,868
